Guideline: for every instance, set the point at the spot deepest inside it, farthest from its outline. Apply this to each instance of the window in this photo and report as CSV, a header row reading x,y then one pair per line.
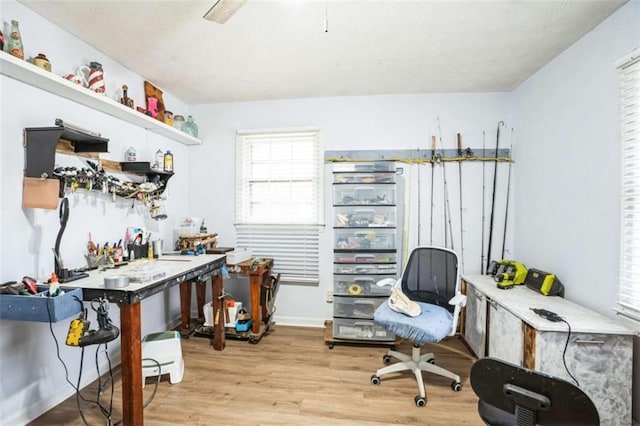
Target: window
x,y
279,199
629,290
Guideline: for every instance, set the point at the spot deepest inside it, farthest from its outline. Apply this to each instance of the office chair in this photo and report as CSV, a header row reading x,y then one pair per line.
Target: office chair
x,y
512,395
432,281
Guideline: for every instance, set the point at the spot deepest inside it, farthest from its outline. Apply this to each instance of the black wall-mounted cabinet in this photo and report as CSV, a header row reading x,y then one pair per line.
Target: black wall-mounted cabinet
x,y
40,147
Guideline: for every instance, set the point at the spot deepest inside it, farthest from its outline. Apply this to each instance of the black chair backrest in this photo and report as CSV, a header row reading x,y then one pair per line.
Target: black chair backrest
x,y
522,396
431,276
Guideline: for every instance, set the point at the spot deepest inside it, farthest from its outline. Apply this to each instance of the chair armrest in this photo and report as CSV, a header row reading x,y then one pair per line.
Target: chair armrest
x,y
458,299
387,281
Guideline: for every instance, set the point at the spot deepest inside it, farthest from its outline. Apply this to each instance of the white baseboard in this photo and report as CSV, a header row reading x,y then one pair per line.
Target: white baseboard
x,y
300,322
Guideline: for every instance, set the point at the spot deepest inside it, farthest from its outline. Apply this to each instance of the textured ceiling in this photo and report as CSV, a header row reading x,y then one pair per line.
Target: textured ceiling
x,y
278,49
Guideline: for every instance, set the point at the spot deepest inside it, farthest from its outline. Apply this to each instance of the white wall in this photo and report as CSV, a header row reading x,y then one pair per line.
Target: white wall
x,y
568,175
32,378
356,123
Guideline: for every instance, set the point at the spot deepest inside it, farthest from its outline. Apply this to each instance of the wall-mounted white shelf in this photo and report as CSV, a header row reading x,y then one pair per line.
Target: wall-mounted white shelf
x,y
37,77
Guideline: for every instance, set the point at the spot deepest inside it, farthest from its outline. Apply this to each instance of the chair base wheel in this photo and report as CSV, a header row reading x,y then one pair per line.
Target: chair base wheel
x,y
420,401
386,359
375,380
456,386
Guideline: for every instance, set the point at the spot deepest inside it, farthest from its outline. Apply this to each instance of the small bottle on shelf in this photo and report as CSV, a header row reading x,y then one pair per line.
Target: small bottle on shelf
x,y
159,162
168,161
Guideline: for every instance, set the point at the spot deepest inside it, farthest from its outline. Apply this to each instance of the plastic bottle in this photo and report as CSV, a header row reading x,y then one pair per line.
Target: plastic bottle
x,y
168,161
54,286
159,162
131,154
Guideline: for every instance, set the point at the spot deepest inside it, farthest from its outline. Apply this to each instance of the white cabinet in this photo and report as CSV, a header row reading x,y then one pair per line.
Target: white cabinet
x,y
475,330
599,351
505,334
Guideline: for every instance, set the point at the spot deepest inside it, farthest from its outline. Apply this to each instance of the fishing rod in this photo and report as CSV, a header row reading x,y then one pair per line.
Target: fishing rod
x,y
493,197
433,166
419,208
447,209
506,208
459,143
483,219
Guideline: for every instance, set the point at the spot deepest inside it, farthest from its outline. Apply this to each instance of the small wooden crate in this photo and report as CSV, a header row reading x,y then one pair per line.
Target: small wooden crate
x,y
192,241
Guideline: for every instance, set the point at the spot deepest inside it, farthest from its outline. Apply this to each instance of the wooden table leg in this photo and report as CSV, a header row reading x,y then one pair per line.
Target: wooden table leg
x,y
131,367
255,281
218,314
185,304
201,292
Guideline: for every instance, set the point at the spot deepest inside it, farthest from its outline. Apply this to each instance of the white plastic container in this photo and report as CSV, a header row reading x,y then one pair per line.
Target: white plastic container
x,y
233,314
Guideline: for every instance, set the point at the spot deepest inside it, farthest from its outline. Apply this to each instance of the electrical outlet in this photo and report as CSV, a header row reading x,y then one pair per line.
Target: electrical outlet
x,y
329,296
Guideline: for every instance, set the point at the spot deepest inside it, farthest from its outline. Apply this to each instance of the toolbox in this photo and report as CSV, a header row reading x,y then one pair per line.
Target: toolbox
x,y
34,307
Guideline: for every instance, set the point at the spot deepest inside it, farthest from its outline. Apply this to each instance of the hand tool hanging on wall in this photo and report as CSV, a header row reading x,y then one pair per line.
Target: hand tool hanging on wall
x,y
482,269
506,207
459,143
433,167
493,197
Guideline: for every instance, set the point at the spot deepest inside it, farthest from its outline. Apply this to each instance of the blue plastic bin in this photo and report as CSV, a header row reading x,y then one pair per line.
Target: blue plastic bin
x,y
34,308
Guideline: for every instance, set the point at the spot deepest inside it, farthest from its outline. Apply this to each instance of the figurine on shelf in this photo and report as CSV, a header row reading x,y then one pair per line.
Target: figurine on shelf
x,y
152,106
15,41
96,78
126,100
78,77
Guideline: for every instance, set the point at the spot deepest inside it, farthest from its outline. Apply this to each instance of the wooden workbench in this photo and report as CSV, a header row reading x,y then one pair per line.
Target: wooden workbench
x,y
259,272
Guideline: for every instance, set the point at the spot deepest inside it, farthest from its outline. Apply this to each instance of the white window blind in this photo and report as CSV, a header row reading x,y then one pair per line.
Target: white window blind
x,y
629,290
279,199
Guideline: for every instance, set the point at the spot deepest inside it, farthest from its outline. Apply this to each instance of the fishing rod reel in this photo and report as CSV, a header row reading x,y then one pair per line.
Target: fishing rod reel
x,y
79,333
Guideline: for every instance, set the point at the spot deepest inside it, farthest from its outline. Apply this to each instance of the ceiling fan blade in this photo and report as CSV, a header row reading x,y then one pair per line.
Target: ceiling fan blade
x,y
222,10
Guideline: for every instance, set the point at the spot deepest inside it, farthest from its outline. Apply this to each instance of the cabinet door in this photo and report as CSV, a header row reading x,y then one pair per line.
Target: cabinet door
x,y
601,363
505,334
476,321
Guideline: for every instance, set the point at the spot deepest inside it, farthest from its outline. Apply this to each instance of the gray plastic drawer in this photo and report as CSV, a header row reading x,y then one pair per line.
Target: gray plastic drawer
x,y
357,285
373,195
364,167
358,217
364,257
356,307
364,177
358,329
364,269
361,239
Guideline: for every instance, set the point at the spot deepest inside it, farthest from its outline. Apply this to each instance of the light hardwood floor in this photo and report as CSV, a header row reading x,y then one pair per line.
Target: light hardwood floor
x,y
292,378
